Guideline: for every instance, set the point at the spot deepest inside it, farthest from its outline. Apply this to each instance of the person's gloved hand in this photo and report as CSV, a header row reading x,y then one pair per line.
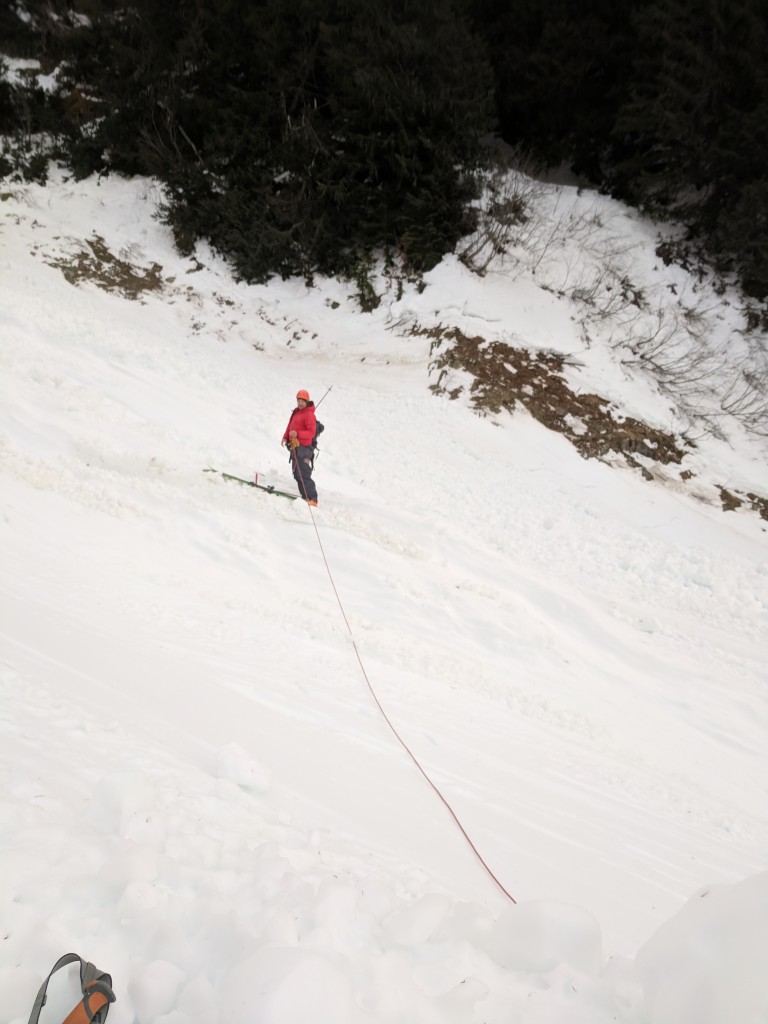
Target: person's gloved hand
x,y
293,443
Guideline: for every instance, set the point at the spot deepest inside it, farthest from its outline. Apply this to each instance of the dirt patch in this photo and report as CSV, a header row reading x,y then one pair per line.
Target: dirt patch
x,y
731,500
503,376
112,273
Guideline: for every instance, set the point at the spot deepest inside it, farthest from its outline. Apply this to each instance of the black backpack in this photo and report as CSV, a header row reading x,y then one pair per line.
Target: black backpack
x,y
320,429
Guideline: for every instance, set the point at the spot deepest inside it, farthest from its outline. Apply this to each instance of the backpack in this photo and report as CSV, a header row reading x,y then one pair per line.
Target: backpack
x,y
319,430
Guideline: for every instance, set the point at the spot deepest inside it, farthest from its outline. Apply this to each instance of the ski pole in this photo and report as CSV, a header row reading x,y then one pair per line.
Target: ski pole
x,y
329,389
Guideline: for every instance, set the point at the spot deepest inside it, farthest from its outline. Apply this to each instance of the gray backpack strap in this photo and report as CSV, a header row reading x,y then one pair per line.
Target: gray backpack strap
x,y
95,985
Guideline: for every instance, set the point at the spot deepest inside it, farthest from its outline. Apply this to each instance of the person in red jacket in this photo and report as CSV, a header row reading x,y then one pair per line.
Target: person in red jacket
x,y
298,438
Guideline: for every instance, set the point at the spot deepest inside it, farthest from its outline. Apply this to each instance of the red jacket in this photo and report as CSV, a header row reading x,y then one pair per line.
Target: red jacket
x,y
304,423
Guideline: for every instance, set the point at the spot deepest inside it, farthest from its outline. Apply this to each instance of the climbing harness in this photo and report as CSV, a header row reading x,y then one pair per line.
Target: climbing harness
x,y
95,985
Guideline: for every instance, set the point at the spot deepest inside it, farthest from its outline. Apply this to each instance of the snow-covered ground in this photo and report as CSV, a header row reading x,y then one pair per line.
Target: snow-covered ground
x,y
198,791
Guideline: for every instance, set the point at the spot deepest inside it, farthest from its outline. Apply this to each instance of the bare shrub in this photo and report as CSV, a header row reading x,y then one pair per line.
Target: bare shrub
x,y
746,398
571,249
673,346
505,215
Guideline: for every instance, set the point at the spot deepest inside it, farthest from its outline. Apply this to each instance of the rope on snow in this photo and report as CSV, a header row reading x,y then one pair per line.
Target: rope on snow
x,y
386,718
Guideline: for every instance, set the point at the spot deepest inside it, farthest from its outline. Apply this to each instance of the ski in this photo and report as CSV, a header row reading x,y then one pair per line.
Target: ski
x,y
253,483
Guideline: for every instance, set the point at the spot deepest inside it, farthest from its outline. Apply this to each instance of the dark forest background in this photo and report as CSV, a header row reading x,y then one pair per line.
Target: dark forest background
x,y
299,136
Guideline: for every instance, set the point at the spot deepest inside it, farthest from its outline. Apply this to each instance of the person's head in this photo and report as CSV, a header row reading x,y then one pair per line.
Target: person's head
x,y
302,398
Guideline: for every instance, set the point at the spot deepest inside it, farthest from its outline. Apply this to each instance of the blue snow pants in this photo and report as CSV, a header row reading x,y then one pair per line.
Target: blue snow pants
x,y
302,462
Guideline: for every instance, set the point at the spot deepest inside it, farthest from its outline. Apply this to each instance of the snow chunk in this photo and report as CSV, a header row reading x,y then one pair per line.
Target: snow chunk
x,y
140,900
127,862
457,1006
126,803
540,934
707,964
286,986
199,997
235,765
154,988
19,986
417,923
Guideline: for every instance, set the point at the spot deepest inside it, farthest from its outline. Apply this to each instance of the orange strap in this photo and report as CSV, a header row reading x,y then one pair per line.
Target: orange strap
x,y
88,1007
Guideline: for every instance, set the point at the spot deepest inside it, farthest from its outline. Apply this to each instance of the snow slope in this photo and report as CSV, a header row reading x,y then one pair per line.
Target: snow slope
x,y
199,792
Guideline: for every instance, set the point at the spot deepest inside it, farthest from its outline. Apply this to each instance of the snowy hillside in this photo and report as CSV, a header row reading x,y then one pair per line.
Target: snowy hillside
x,y
199,792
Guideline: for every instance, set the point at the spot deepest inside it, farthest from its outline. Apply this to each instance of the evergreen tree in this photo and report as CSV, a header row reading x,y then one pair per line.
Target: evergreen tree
x,y
663,102
6,120
696,125
295,137
562,72
31,117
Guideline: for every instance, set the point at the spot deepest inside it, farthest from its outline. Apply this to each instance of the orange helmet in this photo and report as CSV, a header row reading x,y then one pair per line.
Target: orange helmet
x,y
303,394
